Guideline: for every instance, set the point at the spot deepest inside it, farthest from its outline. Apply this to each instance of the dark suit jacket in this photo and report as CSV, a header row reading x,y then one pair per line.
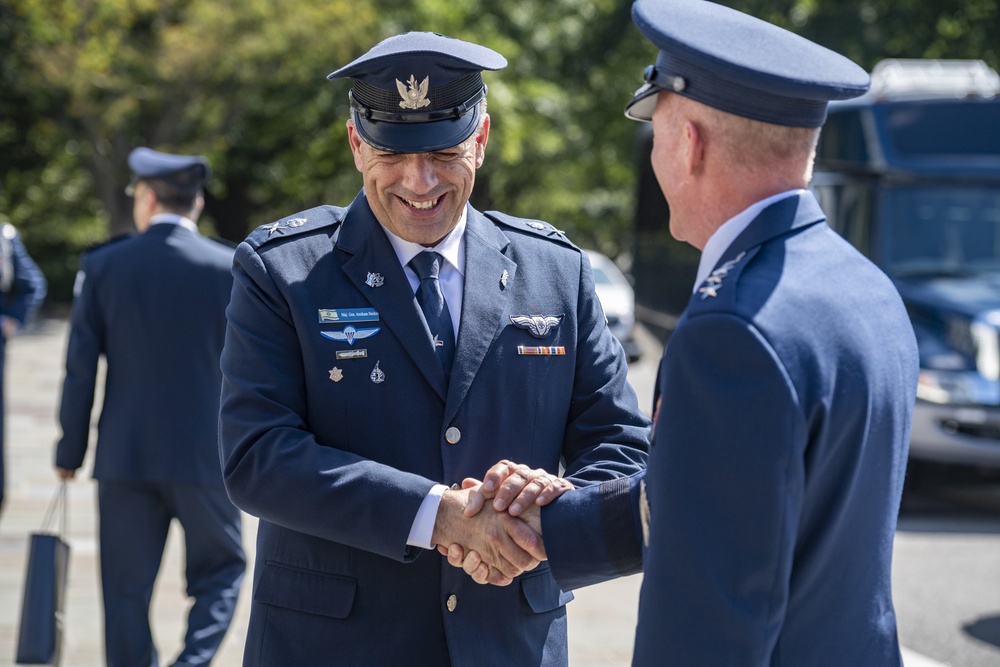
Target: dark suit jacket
x,y
22,284
154,305
777,462
335,458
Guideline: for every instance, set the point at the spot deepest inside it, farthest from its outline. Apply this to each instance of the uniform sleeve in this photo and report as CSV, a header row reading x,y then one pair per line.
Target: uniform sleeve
x,y
593,534
607,436
86,344
29,285
273,466
725,488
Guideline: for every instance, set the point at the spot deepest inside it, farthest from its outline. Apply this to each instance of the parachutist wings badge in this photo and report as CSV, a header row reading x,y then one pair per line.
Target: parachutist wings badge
x,y
539,326
414,95
350,334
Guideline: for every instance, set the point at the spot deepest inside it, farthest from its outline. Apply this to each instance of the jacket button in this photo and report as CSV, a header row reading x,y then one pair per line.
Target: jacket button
x,y
452,602
452,435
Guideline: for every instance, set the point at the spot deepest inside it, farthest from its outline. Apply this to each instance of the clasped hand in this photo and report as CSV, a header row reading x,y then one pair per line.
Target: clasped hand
x,y
496,541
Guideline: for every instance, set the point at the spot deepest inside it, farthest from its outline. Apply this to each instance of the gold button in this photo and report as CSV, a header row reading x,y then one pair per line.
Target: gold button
x,y
452,435
452,602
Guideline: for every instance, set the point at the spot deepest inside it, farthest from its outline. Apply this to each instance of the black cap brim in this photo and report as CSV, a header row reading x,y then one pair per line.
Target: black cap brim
x,y
643,103
417,137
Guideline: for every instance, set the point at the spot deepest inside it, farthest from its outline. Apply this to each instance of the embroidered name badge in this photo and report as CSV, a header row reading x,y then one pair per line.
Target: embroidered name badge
x,y
327,315
552,350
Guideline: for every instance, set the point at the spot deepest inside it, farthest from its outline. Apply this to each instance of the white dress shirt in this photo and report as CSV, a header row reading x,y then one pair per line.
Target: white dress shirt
x,y
173,219
452,279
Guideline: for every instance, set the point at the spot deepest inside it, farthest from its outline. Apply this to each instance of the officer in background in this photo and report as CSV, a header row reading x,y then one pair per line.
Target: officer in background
x,y
785,396
153,304
377,354
22,290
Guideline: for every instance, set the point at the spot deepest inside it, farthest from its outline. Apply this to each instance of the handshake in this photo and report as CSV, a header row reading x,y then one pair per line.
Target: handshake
x,y
494,543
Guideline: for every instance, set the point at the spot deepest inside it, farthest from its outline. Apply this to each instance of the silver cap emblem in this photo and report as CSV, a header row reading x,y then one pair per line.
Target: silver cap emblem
x,y
414,95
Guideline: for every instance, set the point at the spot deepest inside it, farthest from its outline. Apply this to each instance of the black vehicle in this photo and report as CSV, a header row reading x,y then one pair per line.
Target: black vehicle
x,y
910,174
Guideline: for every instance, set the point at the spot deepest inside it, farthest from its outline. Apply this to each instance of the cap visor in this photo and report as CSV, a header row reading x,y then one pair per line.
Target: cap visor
x,y
641,106
417,137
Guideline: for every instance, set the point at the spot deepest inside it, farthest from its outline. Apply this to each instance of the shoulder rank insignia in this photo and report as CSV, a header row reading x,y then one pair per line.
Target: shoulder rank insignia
x,y
539,326
350,334
714,282
277,227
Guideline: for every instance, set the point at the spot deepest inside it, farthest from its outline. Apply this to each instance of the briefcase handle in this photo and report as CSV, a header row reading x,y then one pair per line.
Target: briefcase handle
x,y
58,505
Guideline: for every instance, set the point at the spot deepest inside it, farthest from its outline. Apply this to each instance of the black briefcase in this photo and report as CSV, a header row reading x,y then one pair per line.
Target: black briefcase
x,y
40,636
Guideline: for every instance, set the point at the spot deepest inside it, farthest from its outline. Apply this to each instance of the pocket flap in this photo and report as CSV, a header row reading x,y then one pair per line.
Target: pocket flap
x,y
306,590
542,592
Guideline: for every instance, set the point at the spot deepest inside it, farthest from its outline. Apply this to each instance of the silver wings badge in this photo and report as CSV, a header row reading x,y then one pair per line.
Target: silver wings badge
x,y
539,326
414,95
350,334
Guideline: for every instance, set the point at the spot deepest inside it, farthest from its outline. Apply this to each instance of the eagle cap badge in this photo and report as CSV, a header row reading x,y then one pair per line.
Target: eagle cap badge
x,y
414,95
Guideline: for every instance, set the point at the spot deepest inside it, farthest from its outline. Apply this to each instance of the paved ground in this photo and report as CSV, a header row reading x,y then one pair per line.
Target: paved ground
x,y
602,619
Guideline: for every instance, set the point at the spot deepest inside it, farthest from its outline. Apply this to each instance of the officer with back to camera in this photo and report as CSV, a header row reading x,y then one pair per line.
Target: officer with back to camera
x,y
153,305
785,396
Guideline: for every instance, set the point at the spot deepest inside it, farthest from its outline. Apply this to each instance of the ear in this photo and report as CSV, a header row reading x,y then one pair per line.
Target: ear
x,y
694,148
355,140
199,206
481,139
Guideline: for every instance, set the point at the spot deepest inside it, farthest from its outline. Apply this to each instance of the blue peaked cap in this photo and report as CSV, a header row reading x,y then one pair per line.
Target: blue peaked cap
x,y
739,64
419,91
185,172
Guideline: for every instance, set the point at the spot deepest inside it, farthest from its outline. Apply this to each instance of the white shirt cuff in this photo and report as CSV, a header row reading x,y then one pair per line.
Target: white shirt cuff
x,y
422,529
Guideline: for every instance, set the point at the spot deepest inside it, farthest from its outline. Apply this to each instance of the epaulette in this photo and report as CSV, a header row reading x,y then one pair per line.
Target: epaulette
x,y
297,223
718,291
537,227
124,236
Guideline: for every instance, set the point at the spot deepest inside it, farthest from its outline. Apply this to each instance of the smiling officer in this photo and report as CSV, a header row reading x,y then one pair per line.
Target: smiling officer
x,y
377,354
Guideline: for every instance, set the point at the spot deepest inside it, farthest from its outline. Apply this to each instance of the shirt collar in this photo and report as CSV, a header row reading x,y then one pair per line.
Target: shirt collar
x,y
724,236
173,219
451,247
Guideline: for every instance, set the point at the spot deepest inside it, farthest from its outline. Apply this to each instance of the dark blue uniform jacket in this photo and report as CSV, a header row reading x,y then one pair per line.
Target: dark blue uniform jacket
x,y
336,453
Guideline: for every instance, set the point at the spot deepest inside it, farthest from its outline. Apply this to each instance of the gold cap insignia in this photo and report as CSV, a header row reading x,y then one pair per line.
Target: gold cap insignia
x,y
414,95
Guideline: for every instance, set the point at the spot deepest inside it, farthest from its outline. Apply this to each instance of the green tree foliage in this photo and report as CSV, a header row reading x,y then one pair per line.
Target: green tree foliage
x,y
82,82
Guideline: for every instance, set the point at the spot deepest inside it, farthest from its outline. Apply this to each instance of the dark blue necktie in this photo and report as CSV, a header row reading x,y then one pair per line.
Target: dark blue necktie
x,y
427,266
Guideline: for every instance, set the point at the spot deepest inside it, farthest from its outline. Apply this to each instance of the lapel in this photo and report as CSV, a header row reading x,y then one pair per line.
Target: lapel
x,y
362,237
485,303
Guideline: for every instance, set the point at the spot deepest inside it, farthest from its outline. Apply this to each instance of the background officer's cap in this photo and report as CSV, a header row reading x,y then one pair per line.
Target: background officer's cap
x,y
418,91
187,173
739,64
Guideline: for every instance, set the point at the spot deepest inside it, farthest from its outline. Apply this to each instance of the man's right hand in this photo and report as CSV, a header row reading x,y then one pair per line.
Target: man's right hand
x,y
484,533
515,487
65,473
